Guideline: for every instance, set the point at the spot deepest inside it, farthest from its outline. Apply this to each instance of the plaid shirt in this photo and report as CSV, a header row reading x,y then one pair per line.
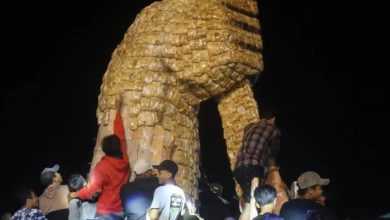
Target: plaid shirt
x,y
28,214
261,140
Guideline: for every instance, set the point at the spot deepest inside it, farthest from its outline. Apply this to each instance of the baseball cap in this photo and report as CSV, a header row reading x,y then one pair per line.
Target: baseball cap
x,y
311,178
55,168
168,165
141,166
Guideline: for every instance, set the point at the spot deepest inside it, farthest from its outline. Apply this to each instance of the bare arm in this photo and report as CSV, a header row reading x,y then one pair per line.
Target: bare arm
x,y
253,210
153,214
249,212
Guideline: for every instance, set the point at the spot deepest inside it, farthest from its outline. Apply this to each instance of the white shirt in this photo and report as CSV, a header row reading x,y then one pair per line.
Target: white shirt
x,y
79,210
169,200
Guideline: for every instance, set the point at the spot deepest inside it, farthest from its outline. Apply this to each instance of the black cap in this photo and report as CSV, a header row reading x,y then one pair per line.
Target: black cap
x,y
167,165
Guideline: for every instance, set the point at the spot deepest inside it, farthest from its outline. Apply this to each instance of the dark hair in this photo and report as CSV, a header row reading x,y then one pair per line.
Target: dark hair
x,y
265,194
112,146
267,112
168,165
22,195
47,178
75,182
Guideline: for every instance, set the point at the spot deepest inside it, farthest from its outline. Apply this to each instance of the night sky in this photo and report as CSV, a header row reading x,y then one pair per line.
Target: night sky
x,y
325,67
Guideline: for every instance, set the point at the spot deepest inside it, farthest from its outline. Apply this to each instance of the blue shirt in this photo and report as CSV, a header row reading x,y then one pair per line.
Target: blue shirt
x,y
29,214
268,216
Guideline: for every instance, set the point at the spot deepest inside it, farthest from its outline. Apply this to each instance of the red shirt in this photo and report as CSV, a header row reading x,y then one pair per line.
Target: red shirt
x,y
108,176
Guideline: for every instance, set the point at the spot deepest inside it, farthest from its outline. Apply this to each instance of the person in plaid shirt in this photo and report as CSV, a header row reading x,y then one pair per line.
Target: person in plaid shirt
x,y
29,202
260,145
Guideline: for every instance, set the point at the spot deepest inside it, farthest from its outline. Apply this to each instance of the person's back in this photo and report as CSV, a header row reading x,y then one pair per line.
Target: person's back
x,y
109,174
115,174
138,195
53,201
261,143
171,199
303,209
265,197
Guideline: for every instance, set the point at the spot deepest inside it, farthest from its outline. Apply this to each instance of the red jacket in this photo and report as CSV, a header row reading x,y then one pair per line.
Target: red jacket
x,y
108,176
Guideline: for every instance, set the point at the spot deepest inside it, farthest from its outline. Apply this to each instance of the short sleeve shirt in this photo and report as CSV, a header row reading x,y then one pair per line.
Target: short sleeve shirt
x,y
169,200
29,214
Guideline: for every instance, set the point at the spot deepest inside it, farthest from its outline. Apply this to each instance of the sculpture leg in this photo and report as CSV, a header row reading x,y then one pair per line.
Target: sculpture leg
x,y
157,129
237,108
185,152
103,131
179,144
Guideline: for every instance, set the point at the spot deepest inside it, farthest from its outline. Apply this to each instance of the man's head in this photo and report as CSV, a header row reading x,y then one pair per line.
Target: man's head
x,y
50,175
310,185
265,195
112,146
268,113
76,182
167,170
26,197
142,167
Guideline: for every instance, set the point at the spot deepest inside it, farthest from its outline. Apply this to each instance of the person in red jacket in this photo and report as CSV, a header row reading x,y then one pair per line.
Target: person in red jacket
x,y
108,176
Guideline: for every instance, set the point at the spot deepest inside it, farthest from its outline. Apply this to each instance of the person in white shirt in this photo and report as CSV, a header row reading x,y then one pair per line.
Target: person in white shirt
x,y
168,200
78,209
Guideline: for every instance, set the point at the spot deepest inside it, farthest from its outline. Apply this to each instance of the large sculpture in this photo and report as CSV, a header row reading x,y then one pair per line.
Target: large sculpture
x,y
175,55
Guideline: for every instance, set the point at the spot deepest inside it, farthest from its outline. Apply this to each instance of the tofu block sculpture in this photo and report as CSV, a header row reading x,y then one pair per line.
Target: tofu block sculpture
x,y
176,54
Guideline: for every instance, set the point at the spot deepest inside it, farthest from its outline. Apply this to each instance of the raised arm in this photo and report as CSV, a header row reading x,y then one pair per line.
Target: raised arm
x,y
119,130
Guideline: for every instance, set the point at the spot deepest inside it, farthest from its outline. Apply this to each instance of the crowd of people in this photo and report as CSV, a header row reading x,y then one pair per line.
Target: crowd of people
x,y
262,186
153,194
108,195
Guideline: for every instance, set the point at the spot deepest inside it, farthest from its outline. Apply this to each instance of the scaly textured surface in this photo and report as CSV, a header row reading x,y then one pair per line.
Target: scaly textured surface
x,y
176,54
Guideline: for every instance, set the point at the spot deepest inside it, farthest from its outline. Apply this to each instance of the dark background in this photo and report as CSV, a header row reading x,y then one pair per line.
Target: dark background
x,y
325,68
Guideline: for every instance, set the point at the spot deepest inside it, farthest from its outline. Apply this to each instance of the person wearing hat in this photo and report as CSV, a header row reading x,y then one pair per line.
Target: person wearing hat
x,y
169,199
53,201
137,196
306,206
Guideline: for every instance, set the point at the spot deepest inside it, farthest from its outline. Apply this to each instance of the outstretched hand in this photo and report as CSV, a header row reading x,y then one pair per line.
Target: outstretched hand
x,y
71,195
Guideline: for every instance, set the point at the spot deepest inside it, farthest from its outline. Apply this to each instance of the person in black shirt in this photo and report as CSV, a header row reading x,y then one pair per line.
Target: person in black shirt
x,y
137,196
307,205
265,196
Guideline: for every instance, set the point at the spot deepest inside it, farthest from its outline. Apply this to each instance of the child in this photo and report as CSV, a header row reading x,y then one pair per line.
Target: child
x,y
79,210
